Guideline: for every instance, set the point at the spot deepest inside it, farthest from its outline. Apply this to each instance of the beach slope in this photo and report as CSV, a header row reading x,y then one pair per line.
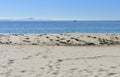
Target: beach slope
x,y
66,39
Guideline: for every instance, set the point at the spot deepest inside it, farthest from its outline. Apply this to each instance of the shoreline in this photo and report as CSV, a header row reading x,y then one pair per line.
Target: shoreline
x,y
64,39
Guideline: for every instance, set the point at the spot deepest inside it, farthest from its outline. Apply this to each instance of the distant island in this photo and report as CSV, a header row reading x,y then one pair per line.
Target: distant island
x,y
24,19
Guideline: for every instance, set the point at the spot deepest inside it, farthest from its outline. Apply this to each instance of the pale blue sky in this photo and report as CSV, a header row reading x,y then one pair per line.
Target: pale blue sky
x,y
60,9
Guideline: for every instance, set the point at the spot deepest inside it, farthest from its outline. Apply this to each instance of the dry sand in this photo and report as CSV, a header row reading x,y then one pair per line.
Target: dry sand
x,y
59,61
38,55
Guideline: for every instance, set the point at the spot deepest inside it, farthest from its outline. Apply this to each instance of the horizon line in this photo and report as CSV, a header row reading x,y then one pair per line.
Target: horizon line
x,y
33,19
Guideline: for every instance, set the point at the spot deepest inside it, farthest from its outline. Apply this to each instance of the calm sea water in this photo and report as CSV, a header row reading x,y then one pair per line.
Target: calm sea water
x,y
59,26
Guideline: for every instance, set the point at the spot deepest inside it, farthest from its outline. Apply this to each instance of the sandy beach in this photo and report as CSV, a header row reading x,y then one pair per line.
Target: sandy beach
x,y
59,38
66,39
60,55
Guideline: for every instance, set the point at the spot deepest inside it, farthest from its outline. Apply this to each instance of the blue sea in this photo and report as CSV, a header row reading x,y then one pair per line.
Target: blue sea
x,y
59,26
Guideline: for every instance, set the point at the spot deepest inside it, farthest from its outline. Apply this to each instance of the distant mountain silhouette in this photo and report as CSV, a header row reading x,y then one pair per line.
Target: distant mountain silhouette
x,y
24,19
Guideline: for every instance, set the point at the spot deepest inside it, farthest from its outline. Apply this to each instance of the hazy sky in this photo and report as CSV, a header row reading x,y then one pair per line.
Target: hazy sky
x,y
60,9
